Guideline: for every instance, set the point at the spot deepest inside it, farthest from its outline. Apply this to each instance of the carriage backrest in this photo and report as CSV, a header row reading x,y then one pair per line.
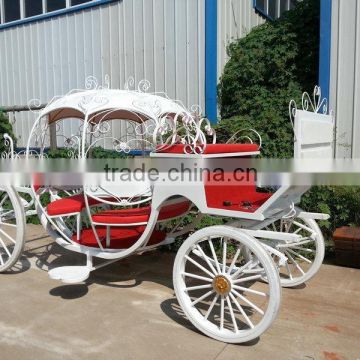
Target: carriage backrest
x,y
314,135
223,191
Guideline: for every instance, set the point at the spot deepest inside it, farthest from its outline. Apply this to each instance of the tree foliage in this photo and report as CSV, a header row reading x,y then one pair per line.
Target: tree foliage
x,y
341,202
5,128
273,64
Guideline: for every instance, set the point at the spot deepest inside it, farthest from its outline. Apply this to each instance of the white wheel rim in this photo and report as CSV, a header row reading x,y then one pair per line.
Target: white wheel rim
x,y
222,296
12,225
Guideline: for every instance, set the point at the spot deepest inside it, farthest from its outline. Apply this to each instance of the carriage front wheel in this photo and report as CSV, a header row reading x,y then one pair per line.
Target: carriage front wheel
x,y
217,280
12,228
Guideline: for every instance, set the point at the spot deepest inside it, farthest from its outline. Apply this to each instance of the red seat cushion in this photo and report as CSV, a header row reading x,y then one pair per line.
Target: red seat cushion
x,y
234,193
69,205
211,148
120,238
38,180
140,215
249,202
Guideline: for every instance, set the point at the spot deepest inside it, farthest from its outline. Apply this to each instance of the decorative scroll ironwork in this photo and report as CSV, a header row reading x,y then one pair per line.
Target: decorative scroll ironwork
x,y
315,103
149,132
9,143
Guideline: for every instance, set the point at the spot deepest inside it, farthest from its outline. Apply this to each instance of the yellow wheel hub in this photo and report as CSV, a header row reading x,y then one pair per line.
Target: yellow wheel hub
x,y
221,285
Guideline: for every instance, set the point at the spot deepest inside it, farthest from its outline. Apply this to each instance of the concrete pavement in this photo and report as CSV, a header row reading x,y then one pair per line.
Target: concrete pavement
x,y
128,311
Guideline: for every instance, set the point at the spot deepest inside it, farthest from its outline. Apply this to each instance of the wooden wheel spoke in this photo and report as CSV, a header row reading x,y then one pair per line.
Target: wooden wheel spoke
x,y
299,256
211,306
288,271
256,308
5,247
214,255
203,297
249,278
241,269
255,292
302,249
205,257
198,277
236,256
3,200
199,287
7,236
222,313
6,213
224,255
294,262
303,227
199,266
8,224
303,242
254,271
243,313
236,329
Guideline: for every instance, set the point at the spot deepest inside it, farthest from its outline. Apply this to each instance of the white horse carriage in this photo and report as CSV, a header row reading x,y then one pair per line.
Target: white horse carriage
x,y
228,278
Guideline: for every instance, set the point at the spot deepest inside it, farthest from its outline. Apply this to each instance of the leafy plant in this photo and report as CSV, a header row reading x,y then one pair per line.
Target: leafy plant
x,y
96,153
274,63
5,128
342,203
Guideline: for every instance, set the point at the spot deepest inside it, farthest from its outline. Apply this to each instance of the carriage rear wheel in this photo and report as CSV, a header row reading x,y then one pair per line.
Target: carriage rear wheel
x,y
219,287
304,258
12,228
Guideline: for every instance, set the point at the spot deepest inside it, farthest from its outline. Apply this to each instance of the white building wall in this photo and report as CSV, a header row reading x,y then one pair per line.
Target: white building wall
x,y
159,40
236,18
162,41
345,76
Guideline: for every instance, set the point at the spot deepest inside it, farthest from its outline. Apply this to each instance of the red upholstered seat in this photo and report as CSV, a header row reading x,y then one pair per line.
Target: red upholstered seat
x,y
211,149
38,180
140,215
120,238
248,202
232,194
69,205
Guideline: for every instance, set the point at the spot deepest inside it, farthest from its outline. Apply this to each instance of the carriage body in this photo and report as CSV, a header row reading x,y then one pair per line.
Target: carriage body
x,y
263,233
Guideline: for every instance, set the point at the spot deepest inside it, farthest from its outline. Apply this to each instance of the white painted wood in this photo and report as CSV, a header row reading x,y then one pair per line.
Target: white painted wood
x,y
314,135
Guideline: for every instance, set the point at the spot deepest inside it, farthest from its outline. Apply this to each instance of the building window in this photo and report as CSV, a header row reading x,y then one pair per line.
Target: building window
x,y
273,9
53,5
12,10
33,7
78,2
284,6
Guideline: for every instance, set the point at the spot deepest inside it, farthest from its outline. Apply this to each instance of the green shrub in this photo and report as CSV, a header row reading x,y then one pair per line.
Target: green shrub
x,y
341,203
96,153
273,64
5,128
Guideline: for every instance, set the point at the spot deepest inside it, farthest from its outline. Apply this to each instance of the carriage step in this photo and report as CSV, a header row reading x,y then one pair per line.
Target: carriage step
x,y
70,274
